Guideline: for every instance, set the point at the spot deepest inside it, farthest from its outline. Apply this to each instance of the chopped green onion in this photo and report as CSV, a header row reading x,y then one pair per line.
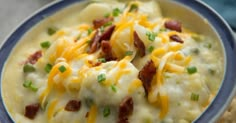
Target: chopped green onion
x,y
45,44
33,88
89,102
90,30
163,30
48,68
151,35
107,15
108,24
28,84
116,12
192,69
208,45
133,8
196,51
89,41
106,111
102,29
52,30
211,71
197,37
62,69
194,97
28,68
101,78
150,49
113,88
103,60
129,53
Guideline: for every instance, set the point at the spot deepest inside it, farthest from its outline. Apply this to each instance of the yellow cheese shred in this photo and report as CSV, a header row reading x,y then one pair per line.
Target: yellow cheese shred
x,y
92,114
51,109
134,85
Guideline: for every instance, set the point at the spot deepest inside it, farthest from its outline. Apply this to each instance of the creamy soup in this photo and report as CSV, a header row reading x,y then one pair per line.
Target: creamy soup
x,y
112,62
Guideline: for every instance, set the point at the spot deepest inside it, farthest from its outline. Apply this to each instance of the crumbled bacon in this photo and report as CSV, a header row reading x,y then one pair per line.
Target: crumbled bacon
x,y
176,38
34,57
94,45
173,25
146,75
138,43
94,64
108,32
97,23
31,110
126,108
73,105
106,35
107,50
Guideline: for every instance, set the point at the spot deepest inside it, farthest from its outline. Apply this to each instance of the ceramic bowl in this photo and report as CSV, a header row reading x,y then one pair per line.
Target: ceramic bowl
x,y
194,14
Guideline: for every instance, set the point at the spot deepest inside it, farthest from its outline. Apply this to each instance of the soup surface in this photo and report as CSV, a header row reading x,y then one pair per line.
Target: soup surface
x,y
112,62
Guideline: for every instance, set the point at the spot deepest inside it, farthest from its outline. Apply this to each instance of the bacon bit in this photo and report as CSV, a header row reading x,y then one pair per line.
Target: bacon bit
x,y
138,43
87,114
107,51
176,38
125,109
173,25
34,57
123,120
97,23
94,64
95,42
146,75
107,34
73,105
31,110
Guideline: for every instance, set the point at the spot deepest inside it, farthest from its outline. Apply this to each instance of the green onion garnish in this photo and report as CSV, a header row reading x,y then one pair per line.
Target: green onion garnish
x,y
107,24
28,84
106,111
113,88
52,30
150,49
28,68
48,68
194,97
151,35
133,8
129,53
89,41
102,29
103,60
45,44
208,45
163,30
101,78
191,69
107,15
116,12
90,30
89,102
62,69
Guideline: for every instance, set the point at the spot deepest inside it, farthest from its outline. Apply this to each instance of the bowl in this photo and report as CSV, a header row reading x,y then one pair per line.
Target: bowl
x,y
195,15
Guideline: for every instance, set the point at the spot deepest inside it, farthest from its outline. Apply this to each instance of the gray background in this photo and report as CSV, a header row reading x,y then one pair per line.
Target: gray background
x,y
13,12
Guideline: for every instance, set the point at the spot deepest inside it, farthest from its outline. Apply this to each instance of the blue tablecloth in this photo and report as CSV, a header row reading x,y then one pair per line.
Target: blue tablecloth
x,y
226,8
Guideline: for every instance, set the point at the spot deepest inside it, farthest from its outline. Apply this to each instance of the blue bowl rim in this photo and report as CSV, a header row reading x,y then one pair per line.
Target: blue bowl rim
x,y
221,27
